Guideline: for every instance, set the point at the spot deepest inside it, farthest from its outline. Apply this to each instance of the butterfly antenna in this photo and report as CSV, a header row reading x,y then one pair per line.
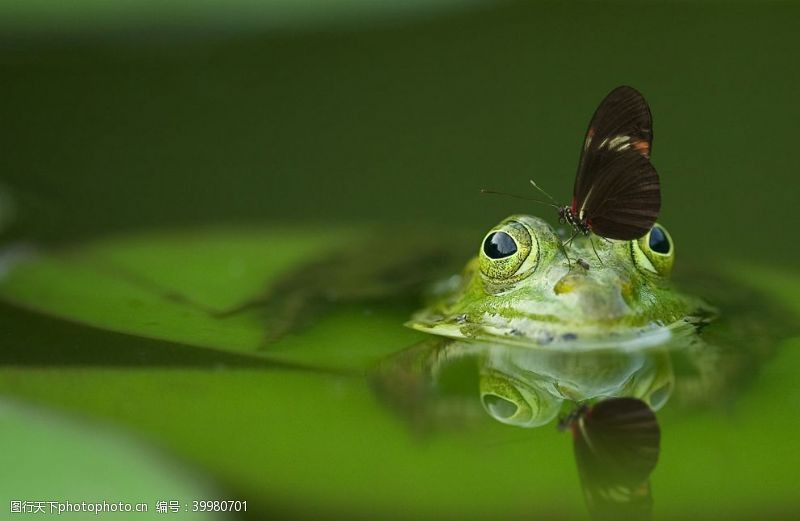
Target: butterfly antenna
x,y
542,190
493,192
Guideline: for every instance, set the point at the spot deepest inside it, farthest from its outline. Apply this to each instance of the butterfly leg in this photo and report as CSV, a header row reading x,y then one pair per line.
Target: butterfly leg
x,y
566,244
591,241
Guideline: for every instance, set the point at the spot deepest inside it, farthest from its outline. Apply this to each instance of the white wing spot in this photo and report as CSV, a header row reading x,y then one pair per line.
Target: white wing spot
x,y
583,205
618,142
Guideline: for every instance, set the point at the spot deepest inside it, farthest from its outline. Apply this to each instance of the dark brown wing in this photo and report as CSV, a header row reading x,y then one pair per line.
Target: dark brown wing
x,y
616,187
625,199
621,121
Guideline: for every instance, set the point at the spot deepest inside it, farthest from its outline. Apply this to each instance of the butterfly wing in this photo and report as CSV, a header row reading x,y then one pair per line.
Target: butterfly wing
x,y
616,187
625,199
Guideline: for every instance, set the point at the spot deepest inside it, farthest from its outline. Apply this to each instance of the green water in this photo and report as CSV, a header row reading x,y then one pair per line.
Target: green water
x,y
378,122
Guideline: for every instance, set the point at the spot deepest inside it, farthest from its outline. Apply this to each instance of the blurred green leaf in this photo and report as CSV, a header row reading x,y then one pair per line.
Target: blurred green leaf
x,y
319,446
168,286
51,457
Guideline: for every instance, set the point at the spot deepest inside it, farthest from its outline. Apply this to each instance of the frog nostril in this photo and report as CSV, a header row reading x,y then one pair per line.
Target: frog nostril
x,y
499,407
499,245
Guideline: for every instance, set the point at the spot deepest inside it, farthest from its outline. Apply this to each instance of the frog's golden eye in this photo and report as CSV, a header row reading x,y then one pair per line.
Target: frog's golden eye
x,y
505,250
655,252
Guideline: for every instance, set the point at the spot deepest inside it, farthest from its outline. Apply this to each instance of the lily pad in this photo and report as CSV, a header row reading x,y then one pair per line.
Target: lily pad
x,y
173,286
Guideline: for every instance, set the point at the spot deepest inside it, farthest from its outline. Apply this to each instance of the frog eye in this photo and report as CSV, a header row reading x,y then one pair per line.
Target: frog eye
x,y
514,402
505,249
499,245
655,252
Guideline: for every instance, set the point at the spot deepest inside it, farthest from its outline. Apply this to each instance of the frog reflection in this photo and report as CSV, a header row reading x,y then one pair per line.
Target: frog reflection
x,y
519,386
528,388
439,384
616,440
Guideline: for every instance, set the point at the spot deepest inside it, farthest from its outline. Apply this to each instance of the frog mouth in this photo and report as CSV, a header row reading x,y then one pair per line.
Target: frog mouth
x,y
543,331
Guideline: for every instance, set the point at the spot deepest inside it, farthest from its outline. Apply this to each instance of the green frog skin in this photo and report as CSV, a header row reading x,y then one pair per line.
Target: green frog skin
x,y
525,286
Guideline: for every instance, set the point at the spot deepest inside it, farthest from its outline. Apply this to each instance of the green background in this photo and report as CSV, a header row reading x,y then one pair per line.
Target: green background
x,y
157,116
405,118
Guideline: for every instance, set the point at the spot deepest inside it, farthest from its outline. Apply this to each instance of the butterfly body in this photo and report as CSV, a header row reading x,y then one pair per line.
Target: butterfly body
x,y
617,193
570,215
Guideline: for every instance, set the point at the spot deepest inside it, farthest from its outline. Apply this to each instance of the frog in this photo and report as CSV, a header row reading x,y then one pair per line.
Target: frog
x,y
527,286
550,324
551,329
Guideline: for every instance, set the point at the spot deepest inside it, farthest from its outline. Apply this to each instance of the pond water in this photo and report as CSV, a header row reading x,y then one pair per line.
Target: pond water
x,y
346,413
154,179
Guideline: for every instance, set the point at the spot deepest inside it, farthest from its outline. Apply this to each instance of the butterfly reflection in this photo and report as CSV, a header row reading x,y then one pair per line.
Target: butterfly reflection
x,y
616,444
612,395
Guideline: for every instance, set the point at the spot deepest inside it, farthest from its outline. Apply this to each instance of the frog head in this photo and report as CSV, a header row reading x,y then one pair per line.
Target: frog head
x,y
526,286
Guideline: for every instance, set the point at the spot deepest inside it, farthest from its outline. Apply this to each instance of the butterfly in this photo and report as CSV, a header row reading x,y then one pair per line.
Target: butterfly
x,y
617,193
616,444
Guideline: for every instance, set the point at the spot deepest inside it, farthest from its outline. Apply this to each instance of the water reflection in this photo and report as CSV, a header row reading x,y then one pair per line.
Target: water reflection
x,y
524,387
529,387
606,398
616,445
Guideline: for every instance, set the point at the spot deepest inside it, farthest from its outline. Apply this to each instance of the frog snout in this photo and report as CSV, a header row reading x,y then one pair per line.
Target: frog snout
x,y
567,284
572,282
599,300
